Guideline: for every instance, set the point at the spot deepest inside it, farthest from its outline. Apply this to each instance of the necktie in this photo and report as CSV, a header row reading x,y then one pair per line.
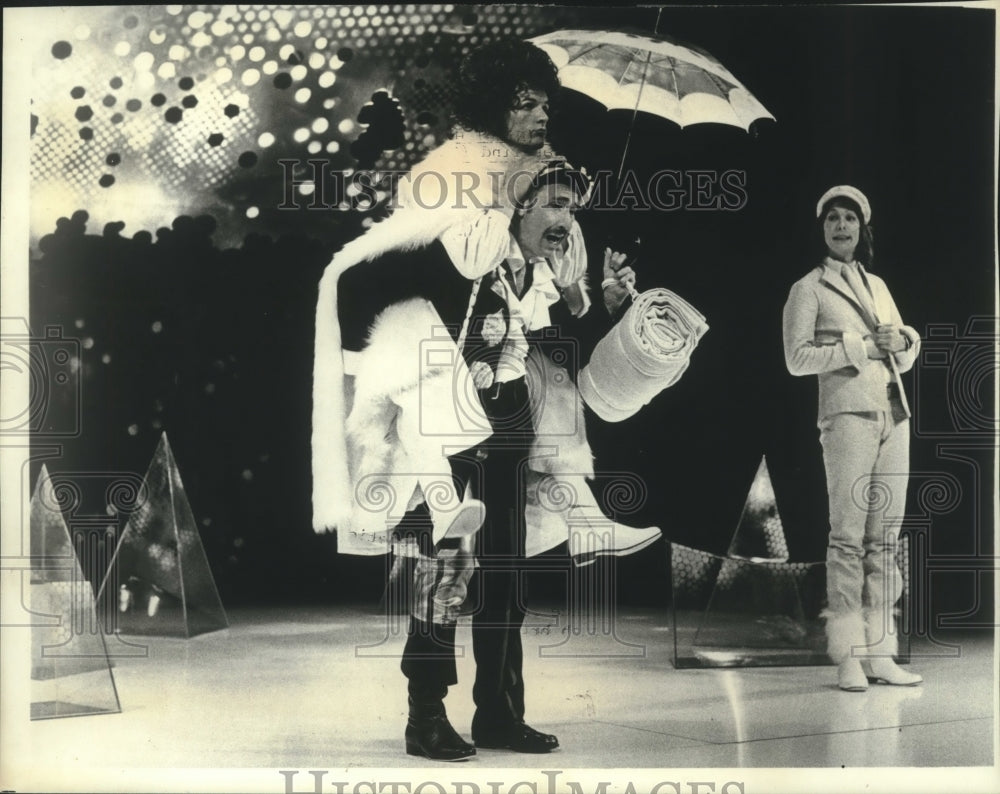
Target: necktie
x,y
867,302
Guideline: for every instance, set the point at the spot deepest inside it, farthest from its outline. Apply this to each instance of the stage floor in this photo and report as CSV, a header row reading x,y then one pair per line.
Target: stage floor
x,y
320,688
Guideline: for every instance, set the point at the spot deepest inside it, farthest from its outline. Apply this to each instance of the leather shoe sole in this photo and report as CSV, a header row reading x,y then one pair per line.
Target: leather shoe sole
x,y
451,755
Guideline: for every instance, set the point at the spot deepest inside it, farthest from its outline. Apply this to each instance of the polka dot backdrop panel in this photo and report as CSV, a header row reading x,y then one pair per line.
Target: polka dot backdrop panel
x,y
143,113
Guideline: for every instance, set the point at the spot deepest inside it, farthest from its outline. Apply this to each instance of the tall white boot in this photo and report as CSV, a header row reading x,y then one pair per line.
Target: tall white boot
x,y
883,645
592,534
589,533
845,638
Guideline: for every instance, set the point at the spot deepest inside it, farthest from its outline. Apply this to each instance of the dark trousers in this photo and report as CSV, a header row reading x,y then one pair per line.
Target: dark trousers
x,y
495,470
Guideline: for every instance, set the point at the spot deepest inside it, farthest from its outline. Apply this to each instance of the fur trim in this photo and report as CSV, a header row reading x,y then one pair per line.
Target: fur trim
x,y
419,220
390,361
404,230
331,497
388,366
845,635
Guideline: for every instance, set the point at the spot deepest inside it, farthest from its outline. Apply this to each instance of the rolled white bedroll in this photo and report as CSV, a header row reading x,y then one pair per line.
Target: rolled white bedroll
x,y
646,352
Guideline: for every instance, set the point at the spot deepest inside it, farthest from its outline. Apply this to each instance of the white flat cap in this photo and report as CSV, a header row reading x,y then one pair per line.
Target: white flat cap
x,y
848,192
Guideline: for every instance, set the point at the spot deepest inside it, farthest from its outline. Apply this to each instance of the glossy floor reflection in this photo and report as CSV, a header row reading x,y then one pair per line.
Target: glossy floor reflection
x,y
320,687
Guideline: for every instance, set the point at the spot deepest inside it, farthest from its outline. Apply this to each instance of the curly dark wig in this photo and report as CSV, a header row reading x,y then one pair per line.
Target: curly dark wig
x,y
490,77
865,252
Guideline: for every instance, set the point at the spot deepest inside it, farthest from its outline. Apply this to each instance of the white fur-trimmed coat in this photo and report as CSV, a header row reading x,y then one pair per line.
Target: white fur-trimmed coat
x,y
362,402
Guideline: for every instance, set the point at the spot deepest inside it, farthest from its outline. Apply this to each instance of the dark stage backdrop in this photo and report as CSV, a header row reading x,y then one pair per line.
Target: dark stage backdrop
x,y
159,242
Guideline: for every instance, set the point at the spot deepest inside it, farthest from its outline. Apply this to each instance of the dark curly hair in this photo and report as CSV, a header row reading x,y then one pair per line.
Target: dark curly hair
x,y
490,77
865,252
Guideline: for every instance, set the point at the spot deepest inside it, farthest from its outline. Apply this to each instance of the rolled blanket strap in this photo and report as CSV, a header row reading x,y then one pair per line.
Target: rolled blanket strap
x,y
646,352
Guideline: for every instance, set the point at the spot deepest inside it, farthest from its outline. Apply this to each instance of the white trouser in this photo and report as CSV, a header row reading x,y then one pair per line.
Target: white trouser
x,y
866,456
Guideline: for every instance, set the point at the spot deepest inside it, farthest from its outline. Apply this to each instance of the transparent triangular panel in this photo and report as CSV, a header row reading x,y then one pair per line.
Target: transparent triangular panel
x,y
741,613
758,606
759,534
159,578
70,671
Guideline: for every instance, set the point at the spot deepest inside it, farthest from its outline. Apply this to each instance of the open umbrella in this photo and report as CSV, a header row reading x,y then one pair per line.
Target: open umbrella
x,y
627,71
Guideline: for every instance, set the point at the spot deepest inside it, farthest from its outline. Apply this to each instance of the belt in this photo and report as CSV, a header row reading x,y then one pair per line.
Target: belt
x,y
497,389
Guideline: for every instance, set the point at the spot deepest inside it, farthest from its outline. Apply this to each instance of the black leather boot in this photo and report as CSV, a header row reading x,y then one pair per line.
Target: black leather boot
x,y
510,735
428,732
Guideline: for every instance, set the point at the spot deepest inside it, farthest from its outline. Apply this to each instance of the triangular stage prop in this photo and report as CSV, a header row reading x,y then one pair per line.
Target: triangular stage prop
x,y
159,578
70,672
759,534
753,613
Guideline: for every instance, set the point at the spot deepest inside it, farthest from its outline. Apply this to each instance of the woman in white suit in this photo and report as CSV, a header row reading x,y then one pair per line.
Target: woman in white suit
x,y
841,324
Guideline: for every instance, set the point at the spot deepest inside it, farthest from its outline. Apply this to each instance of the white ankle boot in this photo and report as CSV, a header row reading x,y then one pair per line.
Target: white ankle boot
x,y
884,670
883,645
851,676
845,635
593,535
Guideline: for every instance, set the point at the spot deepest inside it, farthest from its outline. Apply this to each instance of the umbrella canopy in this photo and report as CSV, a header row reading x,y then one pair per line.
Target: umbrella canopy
x,y
631,72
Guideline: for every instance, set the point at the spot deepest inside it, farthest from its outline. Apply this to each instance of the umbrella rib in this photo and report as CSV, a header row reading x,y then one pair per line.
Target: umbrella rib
x,y
635,113
673,76
580,54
